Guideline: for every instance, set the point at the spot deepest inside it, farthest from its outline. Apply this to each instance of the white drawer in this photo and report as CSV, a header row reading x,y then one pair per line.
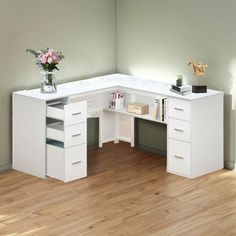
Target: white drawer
x,y
179,109
178,159
69,135
178,129
67,164
70,113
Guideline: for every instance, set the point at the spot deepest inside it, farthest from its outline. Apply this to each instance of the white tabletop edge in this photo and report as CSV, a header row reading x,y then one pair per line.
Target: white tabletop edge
x,y
108,82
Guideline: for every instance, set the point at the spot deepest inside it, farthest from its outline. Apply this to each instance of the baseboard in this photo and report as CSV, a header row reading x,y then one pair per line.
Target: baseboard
x,y
151,149
230,165
5,167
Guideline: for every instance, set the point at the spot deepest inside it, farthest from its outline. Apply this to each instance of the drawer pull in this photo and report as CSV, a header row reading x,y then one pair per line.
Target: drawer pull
x,y
178,157
178,109
75,135
76,162
179,130
76,114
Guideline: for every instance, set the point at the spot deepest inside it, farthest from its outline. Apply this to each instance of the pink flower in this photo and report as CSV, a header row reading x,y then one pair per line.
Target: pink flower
x,y
43,59
55,58
50,57
50,52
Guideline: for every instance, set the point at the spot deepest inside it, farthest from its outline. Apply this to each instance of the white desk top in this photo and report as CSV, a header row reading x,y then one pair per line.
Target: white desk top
x,y
110,81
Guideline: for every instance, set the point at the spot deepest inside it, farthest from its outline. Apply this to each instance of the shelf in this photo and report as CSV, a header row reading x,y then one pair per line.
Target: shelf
x,y
55,131
144,117
57,125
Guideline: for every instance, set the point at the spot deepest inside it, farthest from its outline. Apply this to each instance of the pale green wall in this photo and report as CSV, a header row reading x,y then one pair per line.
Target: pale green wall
x,y
156,39
83,29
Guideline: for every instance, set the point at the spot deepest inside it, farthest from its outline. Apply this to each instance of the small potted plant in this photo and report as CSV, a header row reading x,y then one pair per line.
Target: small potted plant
x,y
47,60
179,81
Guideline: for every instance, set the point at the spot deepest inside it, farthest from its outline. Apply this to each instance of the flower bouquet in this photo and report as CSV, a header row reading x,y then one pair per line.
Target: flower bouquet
x,y
47,60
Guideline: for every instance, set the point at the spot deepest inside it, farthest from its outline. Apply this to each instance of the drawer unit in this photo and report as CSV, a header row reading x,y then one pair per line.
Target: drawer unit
x,y
178,160
67,164
70,135
70,113
178,129
67,141
179,109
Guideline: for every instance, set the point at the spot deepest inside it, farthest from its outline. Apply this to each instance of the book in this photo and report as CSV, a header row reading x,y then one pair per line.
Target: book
x,y
181,93
183,88
159,111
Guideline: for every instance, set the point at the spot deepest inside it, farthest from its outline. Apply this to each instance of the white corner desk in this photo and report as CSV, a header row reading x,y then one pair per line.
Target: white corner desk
x,y
50,130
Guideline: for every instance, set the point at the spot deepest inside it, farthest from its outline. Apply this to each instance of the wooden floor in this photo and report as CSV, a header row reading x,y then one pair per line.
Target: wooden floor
x,y
128,193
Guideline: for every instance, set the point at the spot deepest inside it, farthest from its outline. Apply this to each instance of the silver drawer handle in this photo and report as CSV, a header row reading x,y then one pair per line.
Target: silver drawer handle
x,y
76,135
76,114
178,109
179,157
76,162
179,130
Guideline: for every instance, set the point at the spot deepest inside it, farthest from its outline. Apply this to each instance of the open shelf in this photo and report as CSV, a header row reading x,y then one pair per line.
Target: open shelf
x,y
57,125
144,117
55,131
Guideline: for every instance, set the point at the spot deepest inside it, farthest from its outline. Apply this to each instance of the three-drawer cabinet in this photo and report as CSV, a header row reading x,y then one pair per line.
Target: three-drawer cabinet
x,y
67,141
193,132
179,137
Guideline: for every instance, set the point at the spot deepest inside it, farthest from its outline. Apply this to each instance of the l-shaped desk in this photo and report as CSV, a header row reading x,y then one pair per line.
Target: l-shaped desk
x,y
50,130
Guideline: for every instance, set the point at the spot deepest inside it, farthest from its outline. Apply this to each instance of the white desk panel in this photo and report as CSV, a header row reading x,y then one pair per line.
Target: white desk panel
x,y
110,81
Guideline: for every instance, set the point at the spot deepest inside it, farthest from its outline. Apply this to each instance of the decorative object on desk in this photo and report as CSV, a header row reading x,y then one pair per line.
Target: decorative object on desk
x,y
48,82
179,81
117,100
199,71
47,60
179,87
138,108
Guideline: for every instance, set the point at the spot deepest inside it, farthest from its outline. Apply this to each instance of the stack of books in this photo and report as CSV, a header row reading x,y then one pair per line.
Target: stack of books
x,y
182,90
159,112
117,100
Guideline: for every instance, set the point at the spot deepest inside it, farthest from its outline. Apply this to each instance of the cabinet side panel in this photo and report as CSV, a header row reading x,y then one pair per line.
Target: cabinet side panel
x,y
207,135
107,127
29,135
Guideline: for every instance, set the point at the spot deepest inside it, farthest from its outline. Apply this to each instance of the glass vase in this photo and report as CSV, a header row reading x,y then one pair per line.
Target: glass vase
x,y
48,82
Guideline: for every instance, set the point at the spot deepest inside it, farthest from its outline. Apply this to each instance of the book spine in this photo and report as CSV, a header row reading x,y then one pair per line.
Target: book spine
x,y
155,110
165,109
159,109
175,88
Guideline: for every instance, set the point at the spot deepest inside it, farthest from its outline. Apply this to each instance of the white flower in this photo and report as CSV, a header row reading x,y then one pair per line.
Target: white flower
x,y
50,60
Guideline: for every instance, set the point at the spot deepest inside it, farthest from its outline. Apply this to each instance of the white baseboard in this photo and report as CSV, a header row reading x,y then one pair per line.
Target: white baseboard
x,y
230,165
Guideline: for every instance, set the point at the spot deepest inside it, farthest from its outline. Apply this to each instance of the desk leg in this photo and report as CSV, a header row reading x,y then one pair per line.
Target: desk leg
x,y
100,129
117,125
132,127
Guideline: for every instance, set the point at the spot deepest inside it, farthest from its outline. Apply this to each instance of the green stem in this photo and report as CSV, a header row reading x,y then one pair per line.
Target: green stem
x,y
50,79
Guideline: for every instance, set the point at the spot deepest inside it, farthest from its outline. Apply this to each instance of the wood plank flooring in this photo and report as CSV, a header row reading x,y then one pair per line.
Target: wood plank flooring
x,y
128,192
